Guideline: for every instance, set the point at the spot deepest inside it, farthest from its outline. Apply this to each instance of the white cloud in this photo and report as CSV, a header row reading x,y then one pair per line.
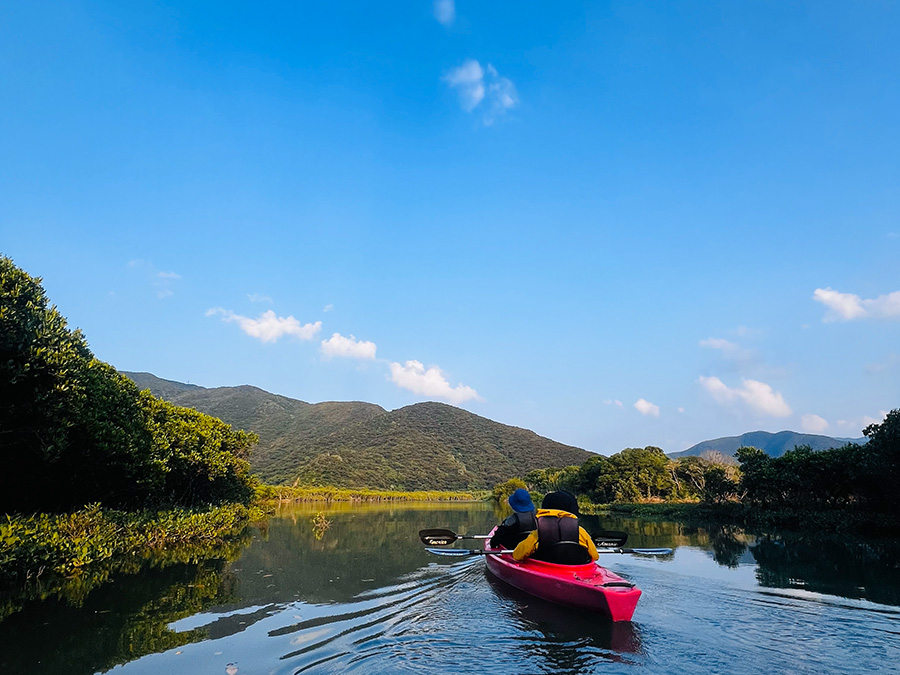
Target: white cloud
x,y
610,401
445,11
720,344
813,424
646,408
163,282
849,306
328,308
757,395
414,377
501,95
855,426
349,347
268,327
477,85
468,80
892,361
256,297
866,420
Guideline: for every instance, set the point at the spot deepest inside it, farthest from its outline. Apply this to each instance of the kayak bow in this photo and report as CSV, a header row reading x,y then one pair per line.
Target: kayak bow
x,y
589,586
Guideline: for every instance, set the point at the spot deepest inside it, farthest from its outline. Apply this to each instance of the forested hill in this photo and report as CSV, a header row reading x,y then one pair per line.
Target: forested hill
x,y
426,446
775,445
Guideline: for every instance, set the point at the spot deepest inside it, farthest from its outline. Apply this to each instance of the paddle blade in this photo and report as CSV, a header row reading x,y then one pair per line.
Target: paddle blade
x,y
454,552
611,539
462,552
649,551
637,551
437,537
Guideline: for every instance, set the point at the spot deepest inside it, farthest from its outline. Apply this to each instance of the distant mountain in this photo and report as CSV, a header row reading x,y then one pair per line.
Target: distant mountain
x,y
774,444
426,446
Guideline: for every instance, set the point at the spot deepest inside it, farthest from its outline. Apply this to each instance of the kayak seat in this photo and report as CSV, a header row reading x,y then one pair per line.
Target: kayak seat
x,y
562,553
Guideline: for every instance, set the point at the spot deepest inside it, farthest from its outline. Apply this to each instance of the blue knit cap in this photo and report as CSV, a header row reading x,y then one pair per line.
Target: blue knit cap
x,y
520,501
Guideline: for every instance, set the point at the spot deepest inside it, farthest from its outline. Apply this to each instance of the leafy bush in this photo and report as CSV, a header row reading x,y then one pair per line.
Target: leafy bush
x,y
74,431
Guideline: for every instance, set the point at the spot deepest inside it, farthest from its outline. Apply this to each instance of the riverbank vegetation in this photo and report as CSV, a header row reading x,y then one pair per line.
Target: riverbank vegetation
x,y
74,431
853,486
95,472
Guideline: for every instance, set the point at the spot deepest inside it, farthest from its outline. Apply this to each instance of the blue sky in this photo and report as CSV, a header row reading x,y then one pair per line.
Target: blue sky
x,y
617,224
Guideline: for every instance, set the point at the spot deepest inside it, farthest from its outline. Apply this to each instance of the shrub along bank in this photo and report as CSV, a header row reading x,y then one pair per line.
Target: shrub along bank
x,y
76,434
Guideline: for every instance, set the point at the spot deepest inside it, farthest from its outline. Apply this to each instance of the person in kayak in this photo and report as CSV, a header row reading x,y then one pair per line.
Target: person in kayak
x,y
558,537
522,521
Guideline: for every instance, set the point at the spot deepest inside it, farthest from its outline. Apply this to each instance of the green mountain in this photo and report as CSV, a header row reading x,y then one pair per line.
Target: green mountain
x,y
426,446
773,444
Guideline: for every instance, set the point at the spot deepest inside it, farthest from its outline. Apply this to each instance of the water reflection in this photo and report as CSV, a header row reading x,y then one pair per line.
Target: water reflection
x,y
115,624
833,565
361,595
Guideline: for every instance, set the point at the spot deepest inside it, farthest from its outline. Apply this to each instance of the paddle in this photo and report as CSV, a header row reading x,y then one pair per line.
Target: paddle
x,y
461,552
442,537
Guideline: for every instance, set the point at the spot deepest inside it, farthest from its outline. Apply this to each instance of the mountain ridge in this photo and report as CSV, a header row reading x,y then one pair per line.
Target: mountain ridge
x,y
423,446
773,443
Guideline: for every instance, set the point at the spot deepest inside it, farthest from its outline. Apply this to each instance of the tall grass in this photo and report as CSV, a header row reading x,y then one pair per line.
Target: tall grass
x,y
286,493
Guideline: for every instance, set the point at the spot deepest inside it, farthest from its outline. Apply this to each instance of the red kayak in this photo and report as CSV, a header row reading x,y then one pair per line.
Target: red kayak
x,y
590,587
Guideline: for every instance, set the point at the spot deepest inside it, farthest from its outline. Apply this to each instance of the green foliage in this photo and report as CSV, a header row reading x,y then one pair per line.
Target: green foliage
x,y
880,464
67,417
502,491
75,431
542,481
633,475
201,458
720,484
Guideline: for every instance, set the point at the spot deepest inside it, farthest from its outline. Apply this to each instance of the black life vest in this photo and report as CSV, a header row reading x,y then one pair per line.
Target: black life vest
x,y
514,529
521,522
558,541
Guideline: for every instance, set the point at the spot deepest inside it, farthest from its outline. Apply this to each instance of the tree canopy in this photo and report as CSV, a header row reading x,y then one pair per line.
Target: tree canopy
x,y
73,430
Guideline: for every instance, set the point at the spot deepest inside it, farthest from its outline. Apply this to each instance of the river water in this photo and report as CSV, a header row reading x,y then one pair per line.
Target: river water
x,y
362,596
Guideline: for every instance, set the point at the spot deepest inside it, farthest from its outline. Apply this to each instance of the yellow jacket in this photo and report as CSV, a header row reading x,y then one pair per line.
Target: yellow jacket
x,y
529,545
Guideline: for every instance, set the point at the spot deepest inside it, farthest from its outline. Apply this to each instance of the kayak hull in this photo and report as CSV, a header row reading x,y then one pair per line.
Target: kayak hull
x,y
589,587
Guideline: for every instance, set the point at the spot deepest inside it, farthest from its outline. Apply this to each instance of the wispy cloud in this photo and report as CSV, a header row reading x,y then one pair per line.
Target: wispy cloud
x,y
256,297
736,357
646,408
856,426
892,361
814,424
850,307
445,11
468,80
329,307
161,281
720,344
482,88
759,396
615,402
268,327
347,347
431,382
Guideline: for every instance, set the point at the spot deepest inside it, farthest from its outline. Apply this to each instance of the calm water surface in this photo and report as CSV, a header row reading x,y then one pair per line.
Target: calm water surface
x,y
363,597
